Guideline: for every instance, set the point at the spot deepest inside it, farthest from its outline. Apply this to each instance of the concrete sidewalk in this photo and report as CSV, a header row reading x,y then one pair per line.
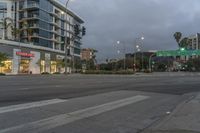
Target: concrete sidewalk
x,y
184,119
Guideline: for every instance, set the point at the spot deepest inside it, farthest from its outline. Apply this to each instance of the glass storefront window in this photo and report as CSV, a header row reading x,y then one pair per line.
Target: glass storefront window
x,y
42,66
53,66
24,66
7,68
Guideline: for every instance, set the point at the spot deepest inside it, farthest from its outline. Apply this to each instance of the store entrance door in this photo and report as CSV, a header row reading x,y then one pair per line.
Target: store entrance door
x,y
24,66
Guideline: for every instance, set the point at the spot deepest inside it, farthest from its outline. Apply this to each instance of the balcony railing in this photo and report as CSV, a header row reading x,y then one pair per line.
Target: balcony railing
x,y
33,16
31,5
35,34
29,16
34,25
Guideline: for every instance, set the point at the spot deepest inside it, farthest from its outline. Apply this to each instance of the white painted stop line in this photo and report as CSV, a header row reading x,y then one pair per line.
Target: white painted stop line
x,y
63,119
29,105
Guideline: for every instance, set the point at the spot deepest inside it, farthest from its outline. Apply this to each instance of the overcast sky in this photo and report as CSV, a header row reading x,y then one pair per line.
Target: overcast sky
x,y
108,21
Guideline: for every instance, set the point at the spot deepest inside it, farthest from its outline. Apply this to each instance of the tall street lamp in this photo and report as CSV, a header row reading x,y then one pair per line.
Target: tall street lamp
x,y
136,46
124,48
66,40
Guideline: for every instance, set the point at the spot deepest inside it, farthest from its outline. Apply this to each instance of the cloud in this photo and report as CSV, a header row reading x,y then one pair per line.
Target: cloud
x,y
110,20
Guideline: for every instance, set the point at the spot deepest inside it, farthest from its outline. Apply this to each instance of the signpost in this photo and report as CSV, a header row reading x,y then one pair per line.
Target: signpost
x,y
174,53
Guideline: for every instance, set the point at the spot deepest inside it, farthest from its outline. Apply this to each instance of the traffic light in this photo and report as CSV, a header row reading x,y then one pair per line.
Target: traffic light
x,y
76,30
83,31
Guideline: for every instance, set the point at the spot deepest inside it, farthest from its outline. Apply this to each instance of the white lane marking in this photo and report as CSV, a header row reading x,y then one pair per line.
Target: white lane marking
x,y
42,87
24,89
63,119
29,105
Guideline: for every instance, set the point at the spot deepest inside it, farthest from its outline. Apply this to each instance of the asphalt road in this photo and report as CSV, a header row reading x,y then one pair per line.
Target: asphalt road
x,y
91,103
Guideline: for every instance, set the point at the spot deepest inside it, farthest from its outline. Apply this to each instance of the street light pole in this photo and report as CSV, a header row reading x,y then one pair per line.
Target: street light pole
x,y
135,50
66,40
124,48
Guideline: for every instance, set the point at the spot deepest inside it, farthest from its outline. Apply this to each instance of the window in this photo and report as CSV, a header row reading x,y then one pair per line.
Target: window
x,y
45,43
53,66
42,65
7,68
77,51
3,10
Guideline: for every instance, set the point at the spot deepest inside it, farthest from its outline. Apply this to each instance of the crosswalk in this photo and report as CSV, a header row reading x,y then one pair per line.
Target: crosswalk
x,y
30,105
49,114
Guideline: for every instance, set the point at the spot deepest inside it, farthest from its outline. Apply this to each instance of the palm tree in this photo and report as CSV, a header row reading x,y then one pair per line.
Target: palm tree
x,y
28,30
6,23
177,37
16,33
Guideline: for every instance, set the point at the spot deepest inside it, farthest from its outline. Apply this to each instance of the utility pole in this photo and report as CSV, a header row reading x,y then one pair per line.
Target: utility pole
x,y
66,40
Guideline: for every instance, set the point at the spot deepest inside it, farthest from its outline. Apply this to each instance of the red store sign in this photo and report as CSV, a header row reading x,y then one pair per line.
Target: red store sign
x,y
25,54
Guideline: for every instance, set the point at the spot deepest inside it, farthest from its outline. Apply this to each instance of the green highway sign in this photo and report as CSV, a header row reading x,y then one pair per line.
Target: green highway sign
x,y
181,52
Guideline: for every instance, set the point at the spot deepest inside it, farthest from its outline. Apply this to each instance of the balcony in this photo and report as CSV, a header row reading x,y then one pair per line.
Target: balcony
x,y
34,25
58,40
35,35
29,17
30,6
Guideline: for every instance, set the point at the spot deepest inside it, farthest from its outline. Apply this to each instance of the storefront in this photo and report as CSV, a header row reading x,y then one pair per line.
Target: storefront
x,y
7,67
53,67
26,60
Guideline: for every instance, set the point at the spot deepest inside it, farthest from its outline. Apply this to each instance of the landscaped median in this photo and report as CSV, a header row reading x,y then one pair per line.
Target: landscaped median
x,y
108,72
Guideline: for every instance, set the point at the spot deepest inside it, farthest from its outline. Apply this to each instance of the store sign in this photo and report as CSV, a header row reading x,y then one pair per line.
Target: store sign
x,y
25,54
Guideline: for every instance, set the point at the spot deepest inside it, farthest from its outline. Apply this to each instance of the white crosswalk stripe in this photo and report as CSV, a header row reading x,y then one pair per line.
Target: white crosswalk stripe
x,y
29,105
63,119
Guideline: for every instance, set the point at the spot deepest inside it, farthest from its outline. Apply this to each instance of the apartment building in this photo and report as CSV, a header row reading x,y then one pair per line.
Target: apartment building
x,y
36,35
88,54
194,42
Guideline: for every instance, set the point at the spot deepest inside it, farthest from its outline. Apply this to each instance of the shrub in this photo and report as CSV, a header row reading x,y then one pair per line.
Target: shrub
x,y
108,72
45,73
56,73
147,71
2,74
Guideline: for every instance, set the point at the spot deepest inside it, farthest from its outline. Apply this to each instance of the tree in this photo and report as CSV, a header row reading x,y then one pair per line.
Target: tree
x,y
90,64
184,42
6,23
27,30
193,64
178,36
16,33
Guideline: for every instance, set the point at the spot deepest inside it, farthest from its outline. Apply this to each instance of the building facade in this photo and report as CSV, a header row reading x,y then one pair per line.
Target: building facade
x,y
36,35
88,54
194,42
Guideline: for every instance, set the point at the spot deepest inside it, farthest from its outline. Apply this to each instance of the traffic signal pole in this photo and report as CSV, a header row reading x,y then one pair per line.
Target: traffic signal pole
x,y
150,64
66,40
